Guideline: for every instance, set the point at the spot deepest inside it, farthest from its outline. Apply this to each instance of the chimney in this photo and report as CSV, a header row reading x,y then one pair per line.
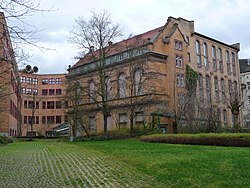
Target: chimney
x,y
110,43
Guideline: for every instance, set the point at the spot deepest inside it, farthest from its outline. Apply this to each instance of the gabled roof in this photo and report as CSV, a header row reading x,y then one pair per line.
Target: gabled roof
x,y
244,65
121,46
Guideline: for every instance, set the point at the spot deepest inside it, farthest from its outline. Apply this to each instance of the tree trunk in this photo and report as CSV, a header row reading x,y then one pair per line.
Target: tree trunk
x,y
175,127
236,122
31,127
105,125
131,124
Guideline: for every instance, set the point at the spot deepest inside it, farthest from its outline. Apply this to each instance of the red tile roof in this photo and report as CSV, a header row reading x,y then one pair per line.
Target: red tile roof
x,y
122,45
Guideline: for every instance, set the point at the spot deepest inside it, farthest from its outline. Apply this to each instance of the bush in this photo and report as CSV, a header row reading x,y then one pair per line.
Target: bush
x,y
213,139
5,140
119,133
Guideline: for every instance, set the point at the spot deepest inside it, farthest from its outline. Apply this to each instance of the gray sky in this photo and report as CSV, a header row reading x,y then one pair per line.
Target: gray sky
x,y
225,20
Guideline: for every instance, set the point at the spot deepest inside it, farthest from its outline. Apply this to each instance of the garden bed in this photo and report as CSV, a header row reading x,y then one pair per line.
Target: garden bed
x,y
212,139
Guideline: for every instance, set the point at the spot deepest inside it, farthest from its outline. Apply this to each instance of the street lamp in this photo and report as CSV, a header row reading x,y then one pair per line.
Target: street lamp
x,y
33,70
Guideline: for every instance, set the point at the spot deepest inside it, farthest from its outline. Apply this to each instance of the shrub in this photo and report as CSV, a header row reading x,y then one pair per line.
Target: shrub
x,y
214,139
5,140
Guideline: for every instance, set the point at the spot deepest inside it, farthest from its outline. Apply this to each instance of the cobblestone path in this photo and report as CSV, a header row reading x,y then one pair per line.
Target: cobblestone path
x,y
58,164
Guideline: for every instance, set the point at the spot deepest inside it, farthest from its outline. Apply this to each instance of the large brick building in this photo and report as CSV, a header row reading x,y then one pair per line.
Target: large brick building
x,y
10,97
144,81
43,95
164,54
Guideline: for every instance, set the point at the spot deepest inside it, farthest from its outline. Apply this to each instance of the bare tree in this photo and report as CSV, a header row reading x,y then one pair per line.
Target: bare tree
x,y
184,99
137,88
74,109
235,102
93,37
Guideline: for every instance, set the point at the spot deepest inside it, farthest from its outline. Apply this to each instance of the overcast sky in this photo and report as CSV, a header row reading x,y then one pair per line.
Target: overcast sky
x,y
225,20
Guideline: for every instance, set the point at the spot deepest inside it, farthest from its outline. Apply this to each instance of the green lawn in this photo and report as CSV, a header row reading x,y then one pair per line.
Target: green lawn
x,y
122,163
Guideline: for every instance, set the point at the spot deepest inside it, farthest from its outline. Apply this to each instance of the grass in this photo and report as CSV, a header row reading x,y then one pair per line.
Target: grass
x,y
122,163
182,165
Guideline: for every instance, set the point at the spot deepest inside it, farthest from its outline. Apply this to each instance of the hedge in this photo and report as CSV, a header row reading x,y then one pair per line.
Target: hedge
x,y
213,139
5,140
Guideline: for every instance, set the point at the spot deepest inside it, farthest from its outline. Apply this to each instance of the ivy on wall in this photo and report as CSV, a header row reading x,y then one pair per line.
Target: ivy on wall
x,y
191,78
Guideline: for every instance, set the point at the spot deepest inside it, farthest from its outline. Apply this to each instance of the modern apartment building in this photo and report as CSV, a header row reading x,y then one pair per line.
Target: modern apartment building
x,y
42,102
146,75
10,97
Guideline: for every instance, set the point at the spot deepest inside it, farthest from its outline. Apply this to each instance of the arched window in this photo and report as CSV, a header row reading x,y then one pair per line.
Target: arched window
x,y
91,91
122,85
138,82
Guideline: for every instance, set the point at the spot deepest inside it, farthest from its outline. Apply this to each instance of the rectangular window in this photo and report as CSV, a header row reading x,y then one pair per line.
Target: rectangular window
x,y
44,92
223,96
35,91
25,104
37,119
189,58
24,119
179,80
50,104
208,87
44,105
214,58
29,80
179,61
178,45
51,92
58,119
233,63
23,79
28,91
58,91
58,81
58,104
198,53
200,81
123,118
205,55
31,120
228,62
45,81
139,117
23,90
37,104
31,104
50,119
35,81
52,81
216,88
220,60
43,119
